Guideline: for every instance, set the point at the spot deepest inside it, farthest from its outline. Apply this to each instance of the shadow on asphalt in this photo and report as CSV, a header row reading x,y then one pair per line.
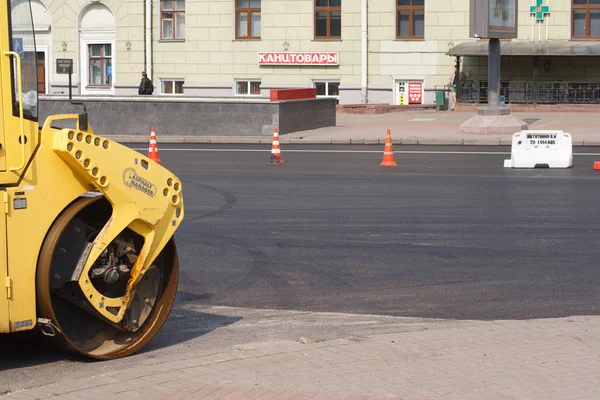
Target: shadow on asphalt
x,y
184,325
27,349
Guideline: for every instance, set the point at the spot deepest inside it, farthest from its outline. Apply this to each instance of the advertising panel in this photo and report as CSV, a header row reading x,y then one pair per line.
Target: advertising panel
x,y
494,19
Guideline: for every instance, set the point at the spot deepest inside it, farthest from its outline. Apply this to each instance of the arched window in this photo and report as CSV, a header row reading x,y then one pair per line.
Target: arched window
x,y
42,21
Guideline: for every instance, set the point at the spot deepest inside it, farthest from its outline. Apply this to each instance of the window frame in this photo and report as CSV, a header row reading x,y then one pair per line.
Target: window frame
x,y
328,9
173,20
249,11
411,10
587,8
102,59
327,82
174,83
249,82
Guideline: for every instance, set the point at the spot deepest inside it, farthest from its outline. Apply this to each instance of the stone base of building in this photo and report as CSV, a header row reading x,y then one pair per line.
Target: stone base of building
x,y
190,116
493,125
369,109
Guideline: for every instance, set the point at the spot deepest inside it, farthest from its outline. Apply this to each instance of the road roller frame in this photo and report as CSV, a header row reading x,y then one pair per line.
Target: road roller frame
x,y
45,176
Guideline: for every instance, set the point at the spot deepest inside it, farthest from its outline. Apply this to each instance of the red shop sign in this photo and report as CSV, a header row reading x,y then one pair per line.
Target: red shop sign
x,y
304,58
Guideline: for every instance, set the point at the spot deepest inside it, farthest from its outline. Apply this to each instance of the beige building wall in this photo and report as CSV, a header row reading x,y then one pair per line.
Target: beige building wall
x,y
209,59
126,38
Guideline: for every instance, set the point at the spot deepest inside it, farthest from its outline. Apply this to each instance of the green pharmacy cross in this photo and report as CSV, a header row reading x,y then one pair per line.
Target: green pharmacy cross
x,y
539,10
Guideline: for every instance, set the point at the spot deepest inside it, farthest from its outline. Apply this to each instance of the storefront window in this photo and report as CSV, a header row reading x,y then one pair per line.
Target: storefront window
x,y
328,89
247,19
410,19
172,19
247,88
100,63
171,86
586,19
328,19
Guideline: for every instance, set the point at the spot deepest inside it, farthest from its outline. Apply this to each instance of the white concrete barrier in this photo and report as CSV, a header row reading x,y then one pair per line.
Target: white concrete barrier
x,y
541,149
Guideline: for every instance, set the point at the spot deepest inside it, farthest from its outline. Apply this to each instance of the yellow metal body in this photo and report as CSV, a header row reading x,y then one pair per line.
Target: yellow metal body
x,y
41,176
145,198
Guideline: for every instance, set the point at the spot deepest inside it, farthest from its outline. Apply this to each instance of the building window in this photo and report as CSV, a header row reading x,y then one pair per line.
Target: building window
x,y
328,19
100,64
172,19
247,88
410,19
171,86
247,19
328,89
586,19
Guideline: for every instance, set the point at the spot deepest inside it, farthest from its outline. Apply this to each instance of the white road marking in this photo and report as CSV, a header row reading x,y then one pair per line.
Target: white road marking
x,y
354,151
422,119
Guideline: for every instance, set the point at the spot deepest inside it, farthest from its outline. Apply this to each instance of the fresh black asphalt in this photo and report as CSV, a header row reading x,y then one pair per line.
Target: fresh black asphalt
x,y
441,235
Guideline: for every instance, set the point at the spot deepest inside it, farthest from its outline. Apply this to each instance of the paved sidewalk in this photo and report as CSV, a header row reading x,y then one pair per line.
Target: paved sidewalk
x,y
403,358
426,127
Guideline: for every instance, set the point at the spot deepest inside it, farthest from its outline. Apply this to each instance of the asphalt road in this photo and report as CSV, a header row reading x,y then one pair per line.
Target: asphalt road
x,y
443,235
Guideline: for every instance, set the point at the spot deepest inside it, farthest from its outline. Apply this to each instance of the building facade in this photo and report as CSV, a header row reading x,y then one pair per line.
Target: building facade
x,y
397,52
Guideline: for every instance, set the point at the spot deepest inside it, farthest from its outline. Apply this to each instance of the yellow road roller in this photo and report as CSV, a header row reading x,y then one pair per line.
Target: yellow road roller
x,y
87,251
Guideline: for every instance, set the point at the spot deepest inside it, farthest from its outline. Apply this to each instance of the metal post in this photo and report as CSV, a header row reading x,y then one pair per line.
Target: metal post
x,y
364,56
535,77
494,74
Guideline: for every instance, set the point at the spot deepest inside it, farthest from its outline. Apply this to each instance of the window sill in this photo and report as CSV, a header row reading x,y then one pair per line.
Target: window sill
x,y
171,40
96,87
327,40
241,39
584,38
410,39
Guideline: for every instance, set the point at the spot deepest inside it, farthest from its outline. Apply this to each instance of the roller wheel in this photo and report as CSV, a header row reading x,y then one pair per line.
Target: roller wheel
x,y
81,328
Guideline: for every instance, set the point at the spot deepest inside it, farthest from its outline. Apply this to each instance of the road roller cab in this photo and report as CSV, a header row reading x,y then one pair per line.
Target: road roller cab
x,y
87,251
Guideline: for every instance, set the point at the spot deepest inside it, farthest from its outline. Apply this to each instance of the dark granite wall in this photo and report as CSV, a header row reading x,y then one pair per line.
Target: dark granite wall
x,y
300,115
192,116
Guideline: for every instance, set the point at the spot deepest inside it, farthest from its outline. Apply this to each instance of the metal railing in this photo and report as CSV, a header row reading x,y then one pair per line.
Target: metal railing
x,y
528,92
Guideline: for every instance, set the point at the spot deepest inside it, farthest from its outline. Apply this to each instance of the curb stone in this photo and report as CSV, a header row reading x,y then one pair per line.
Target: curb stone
x,y
446,142
358,141
487,142
372,141
407,141
590,142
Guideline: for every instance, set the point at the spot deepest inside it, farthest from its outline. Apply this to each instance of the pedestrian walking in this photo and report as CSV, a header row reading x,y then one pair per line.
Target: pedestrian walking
x,y
146,86
453,81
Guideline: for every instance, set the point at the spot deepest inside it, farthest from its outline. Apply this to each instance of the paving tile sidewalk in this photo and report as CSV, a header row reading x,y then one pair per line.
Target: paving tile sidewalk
x,y
440,359
412,127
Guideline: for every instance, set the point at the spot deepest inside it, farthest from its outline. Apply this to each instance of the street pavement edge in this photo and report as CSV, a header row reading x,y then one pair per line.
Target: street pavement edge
x,y
364,141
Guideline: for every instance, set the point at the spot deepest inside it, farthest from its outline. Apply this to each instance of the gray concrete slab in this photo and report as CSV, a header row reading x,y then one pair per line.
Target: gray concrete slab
x,y
436,127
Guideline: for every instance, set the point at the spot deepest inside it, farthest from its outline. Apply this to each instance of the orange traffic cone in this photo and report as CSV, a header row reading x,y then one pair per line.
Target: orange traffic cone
x,y
275,150
153,150
388,152
596,165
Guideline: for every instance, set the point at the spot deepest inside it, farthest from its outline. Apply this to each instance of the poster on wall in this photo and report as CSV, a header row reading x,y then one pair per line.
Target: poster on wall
x,y
415,93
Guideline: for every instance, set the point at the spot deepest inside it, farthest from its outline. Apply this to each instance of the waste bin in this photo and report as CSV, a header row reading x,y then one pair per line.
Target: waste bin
x,y
440,99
